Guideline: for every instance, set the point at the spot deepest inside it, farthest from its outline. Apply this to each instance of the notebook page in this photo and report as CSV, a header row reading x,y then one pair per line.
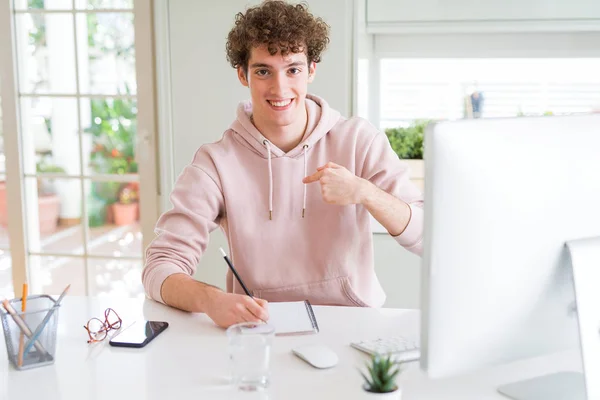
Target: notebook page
x,y
289,317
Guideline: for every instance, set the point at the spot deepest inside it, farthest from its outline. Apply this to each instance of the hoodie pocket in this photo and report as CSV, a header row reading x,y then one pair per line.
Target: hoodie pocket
x,y
334,291
351,294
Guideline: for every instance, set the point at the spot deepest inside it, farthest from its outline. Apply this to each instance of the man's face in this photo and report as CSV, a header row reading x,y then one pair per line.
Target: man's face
x,y
278,85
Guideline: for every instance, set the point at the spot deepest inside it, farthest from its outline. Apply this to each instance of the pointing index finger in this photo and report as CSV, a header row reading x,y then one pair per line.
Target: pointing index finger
x,y
313,178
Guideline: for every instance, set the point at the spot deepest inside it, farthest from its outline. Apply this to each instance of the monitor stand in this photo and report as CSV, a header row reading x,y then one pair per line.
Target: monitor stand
x,y
559,386
585,262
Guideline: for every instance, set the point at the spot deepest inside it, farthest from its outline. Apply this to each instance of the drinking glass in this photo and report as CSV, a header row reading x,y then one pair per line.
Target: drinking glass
x,y
249,354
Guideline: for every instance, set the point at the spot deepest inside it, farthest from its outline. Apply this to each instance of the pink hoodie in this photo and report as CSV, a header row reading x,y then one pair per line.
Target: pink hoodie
x,y
326,256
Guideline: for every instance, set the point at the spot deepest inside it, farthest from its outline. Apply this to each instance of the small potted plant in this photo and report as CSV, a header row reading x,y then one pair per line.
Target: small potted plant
x,y
125,210
407,143
381,382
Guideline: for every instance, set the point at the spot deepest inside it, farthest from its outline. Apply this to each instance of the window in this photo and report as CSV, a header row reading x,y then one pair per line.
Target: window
x,y
412,89
77,104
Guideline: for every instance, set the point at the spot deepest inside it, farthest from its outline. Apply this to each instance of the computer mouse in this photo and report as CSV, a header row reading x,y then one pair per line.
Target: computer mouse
x,y
317,355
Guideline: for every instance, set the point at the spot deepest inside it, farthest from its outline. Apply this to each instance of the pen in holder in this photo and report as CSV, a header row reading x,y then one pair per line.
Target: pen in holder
x,y
38,324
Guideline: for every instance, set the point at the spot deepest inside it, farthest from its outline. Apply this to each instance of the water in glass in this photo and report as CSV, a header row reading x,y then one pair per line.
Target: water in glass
x,y
249,353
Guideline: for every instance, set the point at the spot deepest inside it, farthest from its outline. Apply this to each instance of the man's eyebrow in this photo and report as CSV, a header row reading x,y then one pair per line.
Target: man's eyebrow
x,y
292,64
296,64
260,65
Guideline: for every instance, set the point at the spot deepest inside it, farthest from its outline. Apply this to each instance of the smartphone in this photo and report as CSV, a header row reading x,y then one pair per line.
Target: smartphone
x,y
139,334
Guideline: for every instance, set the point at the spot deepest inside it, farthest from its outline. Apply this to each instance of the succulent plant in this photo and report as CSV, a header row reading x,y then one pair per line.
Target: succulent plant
x,y
382,375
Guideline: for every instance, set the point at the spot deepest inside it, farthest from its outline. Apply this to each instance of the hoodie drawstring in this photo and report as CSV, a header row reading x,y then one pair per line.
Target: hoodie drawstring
x,y
305,147
267,144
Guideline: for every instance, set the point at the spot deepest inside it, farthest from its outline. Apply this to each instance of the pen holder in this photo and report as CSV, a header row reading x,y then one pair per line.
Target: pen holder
x,y
42,350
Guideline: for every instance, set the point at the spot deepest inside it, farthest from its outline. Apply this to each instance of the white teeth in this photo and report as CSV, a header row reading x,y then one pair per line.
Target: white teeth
x,y
280,103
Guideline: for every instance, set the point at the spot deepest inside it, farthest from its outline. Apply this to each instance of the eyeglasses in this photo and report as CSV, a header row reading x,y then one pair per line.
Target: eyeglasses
x,y
98,329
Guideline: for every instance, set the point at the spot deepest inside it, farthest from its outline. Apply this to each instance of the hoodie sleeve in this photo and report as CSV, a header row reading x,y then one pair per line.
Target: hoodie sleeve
x,y
383,168
183,231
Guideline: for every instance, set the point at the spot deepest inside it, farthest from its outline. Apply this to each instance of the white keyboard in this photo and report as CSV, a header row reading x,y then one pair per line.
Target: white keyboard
x,y
400,349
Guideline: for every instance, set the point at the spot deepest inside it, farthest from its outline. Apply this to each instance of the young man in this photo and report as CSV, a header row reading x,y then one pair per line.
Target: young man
x,y
292,184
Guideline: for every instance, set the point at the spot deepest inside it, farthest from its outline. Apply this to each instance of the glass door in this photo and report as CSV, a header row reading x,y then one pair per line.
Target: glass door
x,y
85,154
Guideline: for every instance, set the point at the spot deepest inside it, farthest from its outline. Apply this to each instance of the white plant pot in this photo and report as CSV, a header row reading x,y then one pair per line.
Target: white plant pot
x,y
417,172
396,395
417,168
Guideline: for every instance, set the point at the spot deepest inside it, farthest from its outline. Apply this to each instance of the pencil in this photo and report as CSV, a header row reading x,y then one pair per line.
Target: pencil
x,y
21,336
35,335
22,325
234,272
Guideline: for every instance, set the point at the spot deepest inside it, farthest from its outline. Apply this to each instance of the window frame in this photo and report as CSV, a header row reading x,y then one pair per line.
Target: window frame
x,y
146,147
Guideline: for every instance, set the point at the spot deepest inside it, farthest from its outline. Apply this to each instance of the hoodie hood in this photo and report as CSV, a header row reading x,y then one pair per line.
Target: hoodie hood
x,y
321,118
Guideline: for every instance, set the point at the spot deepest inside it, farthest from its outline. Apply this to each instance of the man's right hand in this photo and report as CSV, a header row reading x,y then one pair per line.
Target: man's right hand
x,y
226,309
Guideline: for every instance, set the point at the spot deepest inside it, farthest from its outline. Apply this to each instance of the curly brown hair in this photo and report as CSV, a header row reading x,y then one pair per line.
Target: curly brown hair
x,y
281,27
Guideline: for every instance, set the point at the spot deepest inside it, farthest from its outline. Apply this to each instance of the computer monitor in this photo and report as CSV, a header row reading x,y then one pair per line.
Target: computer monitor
x,y
503,197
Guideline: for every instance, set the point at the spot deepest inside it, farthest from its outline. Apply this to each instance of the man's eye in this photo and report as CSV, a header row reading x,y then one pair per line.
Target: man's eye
x,y
262,72
294,71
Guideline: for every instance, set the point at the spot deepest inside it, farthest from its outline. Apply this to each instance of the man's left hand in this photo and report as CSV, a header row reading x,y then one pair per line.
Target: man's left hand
x,y
338,185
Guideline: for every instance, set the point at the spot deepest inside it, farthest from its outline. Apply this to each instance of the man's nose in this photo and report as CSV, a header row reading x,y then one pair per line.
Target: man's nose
x,y
280,84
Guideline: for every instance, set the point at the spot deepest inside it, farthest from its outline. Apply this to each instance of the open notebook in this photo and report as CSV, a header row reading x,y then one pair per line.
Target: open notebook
x,y
292,318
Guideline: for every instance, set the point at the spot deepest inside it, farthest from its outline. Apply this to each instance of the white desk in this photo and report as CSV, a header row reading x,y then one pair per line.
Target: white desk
x,y
189,361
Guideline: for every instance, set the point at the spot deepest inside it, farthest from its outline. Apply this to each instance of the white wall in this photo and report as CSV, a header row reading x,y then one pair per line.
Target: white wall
x,y
435,16
479,10
489,45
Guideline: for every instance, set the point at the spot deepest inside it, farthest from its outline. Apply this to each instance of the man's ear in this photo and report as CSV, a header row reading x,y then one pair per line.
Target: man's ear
x,y
242,76
312,69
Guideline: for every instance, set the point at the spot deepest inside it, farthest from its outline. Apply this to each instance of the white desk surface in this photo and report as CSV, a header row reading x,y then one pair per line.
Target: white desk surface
x,y
189,360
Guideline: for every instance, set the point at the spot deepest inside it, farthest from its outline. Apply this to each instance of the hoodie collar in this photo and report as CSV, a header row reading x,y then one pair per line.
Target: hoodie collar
x,y
321,118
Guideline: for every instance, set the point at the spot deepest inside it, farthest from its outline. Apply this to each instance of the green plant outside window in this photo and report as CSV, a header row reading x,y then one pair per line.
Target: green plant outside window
x,y
114,129
408,142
